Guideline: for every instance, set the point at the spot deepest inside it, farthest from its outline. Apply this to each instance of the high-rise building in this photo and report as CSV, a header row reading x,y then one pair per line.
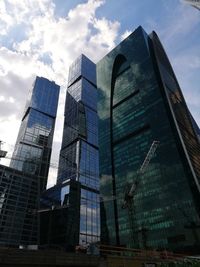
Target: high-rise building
x,y
18,208
21,185
34,142
140,101
76,195
60,215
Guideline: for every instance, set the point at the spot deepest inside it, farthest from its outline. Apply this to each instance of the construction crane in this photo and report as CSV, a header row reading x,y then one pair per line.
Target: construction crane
x,y
130,192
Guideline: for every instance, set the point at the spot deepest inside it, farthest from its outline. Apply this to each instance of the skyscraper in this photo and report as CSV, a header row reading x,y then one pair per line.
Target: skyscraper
x,y
34,142
21,185
76,195
140,101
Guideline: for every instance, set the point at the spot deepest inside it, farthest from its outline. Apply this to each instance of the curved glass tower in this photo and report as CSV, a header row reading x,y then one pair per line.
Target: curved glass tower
x,y
140,101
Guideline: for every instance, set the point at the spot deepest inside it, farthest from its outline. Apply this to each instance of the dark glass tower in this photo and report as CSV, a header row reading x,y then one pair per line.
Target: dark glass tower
x,y
140,101
34,142
76,195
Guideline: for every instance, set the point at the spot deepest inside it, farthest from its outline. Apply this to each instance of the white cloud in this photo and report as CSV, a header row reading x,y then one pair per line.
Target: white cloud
x,y
62,40
107,32
5,19
44,45
125,35
8,128
23,65
181,22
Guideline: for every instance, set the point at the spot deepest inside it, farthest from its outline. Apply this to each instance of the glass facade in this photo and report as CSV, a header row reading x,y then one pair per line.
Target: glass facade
x,y
60,215
21,185
18,207
34,142
79,158
135,108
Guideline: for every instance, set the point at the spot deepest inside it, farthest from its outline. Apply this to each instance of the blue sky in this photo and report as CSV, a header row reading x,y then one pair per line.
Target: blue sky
x,y
43,37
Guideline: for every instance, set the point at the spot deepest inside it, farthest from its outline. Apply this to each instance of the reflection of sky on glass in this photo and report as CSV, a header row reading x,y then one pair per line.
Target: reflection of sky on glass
x,y
90,214
64,191
45,96
36,119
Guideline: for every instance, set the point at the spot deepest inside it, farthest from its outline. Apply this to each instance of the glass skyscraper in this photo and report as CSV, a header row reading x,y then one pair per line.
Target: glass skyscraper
x,y
140,101
76,194
21,185
34,142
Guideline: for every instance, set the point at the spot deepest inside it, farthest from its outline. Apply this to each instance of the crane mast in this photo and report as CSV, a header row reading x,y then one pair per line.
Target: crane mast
x,y
130,192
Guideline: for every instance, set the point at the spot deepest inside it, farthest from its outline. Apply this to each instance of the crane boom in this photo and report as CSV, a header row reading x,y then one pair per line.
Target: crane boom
x,y
149,156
